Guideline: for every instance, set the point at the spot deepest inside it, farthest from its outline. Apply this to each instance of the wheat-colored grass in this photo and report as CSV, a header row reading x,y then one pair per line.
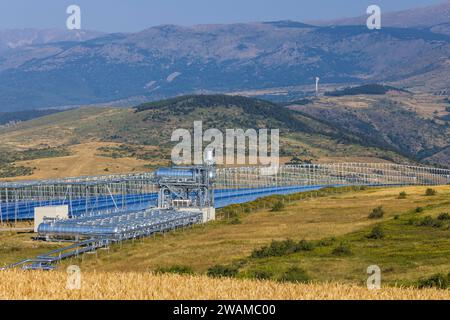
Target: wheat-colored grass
x,y
116,285
84,160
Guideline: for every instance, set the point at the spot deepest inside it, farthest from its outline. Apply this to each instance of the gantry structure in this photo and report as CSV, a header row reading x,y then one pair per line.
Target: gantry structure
x,y
91,195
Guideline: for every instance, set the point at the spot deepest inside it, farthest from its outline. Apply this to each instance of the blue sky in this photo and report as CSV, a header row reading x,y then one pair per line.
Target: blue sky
x,y
134,15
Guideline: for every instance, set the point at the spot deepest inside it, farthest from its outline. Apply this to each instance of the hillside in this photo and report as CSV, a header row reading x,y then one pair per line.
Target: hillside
x,y
15,40
8,118
363,89
429,16
414,125
109,135
168,60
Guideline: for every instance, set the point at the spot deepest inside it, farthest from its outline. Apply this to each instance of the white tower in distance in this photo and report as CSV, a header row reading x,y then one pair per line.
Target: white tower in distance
x,y
317,85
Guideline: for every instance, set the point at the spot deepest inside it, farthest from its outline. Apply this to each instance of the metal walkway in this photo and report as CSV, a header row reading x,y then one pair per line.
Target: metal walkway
x,y
47,261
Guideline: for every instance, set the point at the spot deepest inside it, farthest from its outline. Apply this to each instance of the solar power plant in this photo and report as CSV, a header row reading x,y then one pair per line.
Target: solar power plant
x,y
87,195
105,209
120,225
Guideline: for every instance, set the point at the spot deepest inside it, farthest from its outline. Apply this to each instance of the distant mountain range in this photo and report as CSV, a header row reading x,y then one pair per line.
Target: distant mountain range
x,y
11,40
42,69
417,17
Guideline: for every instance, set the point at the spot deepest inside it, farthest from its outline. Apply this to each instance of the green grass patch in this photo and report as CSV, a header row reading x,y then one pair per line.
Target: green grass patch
x,y
178,269
377,213
219,271
279,202
376,233
296,275
404,251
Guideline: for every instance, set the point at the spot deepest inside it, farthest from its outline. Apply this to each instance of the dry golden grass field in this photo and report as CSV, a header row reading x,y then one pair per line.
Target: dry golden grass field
x,y
84,160
148,286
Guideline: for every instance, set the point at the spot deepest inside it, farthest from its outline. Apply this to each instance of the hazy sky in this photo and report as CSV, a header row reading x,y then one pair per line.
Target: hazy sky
x,y
134,15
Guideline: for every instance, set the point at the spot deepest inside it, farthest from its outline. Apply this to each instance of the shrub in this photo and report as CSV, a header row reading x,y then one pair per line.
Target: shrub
x,y
428,221
341,250
10,171
178,269
295,274
281,248
278,206
402,195
261,275
443,216
376,233
437,223
377,213
419,209
430,192
11,249
219,271
396,217
438,280
235,220
325,242
275,249
304,245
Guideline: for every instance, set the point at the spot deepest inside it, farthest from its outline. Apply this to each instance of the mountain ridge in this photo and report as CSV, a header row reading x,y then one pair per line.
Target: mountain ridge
x,y
66,70
143,133
427,16
167,61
